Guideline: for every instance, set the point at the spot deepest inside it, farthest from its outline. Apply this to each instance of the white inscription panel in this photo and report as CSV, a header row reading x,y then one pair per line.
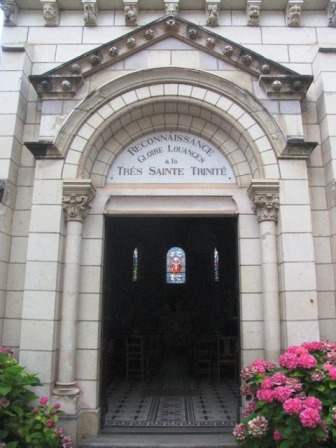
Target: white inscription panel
x,y
171,157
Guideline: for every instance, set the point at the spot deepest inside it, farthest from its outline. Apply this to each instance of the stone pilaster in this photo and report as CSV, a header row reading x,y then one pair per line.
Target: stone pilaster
x,y
76,198
9,9
51,12
265,203
90,10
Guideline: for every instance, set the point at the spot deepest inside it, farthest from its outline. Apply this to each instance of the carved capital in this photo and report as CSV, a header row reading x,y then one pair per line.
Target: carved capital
x,y
51,12
172,8
131,12
76,198
293,12
332,13
264,195
253,12
90,11
212,12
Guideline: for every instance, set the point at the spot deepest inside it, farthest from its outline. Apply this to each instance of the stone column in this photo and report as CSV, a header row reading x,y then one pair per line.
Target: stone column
x,y
265,199
76,197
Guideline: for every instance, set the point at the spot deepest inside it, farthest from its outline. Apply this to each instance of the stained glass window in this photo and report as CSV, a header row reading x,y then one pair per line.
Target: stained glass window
x,y
176,266
135,265
216,265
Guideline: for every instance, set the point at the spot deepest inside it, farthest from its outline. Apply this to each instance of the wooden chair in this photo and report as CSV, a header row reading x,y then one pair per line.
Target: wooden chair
x,y
136,361
226,355
202,360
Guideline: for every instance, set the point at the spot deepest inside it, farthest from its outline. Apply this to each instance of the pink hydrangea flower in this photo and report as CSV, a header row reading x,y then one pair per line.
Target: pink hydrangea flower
x,y
307,361
294,384
331,357
313,402
267,383
310,418
317,376
239,432
57,406
249,409
313,346
282,393
292,406
278,379
297,350
34,411
265,395
246,390
277,435
332,373
44,401
288,361
257,427
50,423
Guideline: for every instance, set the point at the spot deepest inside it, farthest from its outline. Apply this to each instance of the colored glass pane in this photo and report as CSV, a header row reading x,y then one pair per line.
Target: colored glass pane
x,y
176,266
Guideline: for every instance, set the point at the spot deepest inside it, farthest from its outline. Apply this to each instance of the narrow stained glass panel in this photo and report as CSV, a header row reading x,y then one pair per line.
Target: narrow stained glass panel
x,y
216,265
135,265
176,266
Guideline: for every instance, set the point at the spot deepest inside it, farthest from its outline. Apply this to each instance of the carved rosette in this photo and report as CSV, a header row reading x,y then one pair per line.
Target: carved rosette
x,y
76,199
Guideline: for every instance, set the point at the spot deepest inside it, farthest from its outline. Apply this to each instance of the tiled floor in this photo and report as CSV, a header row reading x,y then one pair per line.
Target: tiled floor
x,y
172,399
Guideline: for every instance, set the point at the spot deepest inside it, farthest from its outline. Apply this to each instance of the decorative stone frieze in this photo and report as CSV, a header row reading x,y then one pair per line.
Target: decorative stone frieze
x,y
131,12
90,12
9,9
264,195
332,13
293,12
51,12
76,198
212,12
50,85
172,8
253,12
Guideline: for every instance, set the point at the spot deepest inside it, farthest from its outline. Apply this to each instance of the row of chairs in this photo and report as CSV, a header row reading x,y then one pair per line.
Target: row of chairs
x,y
211,357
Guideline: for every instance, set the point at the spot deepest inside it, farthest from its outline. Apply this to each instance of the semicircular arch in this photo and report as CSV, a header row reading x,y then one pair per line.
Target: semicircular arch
x,y
216,103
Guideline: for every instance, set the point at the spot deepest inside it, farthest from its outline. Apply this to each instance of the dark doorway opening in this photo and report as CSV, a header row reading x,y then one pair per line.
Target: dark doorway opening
x,y
153,330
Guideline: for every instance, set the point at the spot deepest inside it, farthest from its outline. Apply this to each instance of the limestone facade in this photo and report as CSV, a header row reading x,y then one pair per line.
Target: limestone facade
x,y
81,81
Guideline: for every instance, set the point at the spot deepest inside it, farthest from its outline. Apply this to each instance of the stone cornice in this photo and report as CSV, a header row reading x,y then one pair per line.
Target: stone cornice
x,y
297,149
264,195
43,150
77,195
278,81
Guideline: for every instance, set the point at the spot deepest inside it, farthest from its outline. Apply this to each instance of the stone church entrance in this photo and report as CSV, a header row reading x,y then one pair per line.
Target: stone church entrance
x,y
166,359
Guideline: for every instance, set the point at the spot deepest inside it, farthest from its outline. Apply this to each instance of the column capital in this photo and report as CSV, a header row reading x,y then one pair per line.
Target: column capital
x,y
264,195
77,195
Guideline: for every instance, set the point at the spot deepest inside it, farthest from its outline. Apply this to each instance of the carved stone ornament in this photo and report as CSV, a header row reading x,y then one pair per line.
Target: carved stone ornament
x,y
9,9
253,14
192,33
293,14
276,86
265,69
172,25
113,51
90,13
211,42
50,12
332,13
228,50
171,8
149,34
266,206
95,59
45,86
131,42
76,198
247,59
76,69
66,85
212,15
131,15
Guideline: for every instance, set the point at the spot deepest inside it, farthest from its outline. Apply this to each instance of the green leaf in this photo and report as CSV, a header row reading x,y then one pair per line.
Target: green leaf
x,y
4,390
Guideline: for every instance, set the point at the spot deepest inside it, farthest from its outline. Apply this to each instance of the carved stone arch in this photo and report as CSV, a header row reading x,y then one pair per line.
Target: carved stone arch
x,y
213,96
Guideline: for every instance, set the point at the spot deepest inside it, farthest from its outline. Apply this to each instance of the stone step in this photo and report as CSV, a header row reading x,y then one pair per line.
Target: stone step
x,y
156,440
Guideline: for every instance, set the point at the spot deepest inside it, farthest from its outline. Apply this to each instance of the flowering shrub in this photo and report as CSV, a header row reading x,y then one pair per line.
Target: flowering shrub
x,y
20,424
293,405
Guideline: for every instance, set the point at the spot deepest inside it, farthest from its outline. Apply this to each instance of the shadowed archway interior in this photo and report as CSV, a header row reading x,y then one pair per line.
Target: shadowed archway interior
x,y
177,316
